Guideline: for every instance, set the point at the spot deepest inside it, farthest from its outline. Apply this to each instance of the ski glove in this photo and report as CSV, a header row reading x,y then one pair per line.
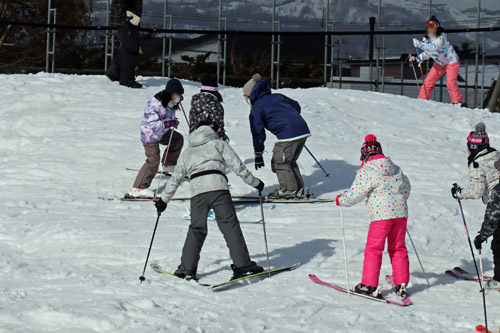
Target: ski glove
x,y
478,241
160,206
259,160
132,18
417,43
260,187
174,123
174,102
455,191
337,200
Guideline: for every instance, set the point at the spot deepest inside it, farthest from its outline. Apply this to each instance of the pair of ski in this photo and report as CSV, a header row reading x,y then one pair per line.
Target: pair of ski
x,y
240,200
462,274
384,297
236,282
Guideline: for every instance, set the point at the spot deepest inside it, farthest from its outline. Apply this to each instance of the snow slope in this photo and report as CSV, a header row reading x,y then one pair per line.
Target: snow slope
x,y
70,261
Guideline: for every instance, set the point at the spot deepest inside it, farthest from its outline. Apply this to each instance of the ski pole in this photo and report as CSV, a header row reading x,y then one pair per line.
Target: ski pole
x,y
185,115
345,252
165,160
265,234
142,278
474,259
326,173
423,78
481,269
414,72
418,257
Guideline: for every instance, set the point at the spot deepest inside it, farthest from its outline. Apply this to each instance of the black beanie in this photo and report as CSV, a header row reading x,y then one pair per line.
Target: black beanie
x,y
209,81
174,86
478,139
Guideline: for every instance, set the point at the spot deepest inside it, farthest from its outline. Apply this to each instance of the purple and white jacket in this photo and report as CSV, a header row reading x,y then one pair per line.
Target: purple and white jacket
x,y
152,124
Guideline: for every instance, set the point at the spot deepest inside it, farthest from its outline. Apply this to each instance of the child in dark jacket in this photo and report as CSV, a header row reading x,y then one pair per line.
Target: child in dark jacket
x,y
158,128
207,106
281,116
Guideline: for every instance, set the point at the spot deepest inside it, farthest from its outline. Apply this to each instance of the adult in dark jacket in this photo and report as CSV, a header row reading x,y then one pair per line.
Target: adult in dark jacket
x,y
279,115
491,227
126,16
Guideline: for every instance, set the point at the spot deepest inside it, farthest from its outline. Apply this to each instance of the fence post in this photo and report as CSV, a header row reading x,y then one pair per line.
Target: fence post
x,y
383,62
476,76
273,44
483,105
370,57
109,51
466,82
377,75
325,28
51,39
402,77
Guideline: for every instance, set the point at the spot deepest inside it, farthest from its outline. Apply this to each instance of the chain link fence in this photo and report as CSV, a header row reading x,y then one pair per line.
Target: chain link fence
x,y
361,61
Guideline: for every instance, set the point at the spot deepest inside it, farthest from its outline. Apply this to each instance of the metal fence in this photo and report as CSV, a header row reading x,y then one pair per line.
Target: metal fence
x,y
364,62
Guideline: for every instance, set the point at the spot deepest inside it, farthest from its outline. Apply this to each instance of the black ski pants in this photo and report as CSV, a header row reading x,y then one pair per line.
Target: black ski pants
x,y
227,221
495,247
123,66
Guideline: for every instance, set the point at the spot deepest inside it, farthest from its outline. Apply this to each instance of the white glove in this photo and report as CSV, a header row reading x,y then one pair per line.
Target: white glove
x,y
422,57
134,19
425,40
416,42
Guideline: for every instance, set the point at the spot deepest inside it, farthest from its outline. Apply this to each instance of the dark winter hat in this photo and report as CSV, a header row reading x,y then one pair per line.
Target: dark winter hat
x,y
433,21
370,147
174,86
209,83
478,139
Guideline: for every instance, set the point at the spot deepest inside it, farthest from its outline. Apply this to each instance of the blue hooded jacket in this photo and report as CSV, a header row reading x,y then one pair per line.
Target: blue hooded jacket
x,y
275,112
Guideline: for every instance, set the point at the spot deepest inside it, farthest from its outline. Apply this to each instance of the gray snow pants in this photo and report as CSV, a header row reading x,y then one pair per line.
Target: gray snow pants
x,y
284,164
228,223
152,151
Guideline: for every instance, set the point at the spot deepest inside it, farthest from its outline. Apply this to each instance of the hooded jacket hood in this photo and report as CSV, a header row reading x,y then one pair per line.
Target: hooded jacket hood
x,y
201,136
383,166
262,88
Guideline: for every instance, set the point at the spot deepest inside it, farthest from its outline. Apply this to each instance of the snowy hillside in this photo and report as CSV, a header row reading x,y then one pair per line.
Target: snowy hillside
x,y
70,261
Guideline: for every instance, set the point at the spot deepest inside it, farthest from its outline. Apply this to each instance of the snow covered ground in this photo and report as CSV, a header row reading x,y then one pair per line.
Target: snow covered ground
x,y
70,261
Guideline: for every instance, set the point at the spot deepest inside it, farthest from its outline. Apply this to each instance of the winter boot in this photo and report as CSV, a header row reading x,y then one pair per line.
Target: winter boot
x,y
400,289
186,274
492,284
239,272
138,193
280,195
367,290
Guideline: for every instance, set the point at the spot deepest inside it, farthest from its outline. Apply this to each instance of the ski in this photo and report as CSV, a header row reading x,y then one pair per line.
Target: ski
x,y
482,329
157,268
406,300
165,173
236,200
384,299
250,279
462,274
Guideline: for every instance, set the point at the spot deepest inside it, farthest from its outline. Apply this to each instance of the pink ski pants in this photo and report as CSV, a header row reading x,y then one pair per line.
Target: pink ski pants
x,y
394,230
437,71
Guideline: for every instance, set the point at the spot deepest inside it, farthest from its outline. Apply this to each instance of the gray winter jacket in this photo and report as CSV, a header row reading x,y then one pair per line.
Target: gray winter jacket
x,y
483,176
206,152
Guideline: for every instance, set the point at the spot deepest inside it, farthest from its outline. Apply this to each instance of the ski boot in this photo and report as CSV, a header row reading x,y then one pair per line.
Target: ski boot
x,y
280,195
239,272
367,290
400,289
186,274
138,193
305,194
492,284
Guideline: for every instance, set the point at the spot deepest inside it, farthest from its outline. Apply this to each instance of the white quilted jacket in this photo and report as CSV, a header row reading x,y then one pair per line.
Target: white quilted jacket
x,y
483,178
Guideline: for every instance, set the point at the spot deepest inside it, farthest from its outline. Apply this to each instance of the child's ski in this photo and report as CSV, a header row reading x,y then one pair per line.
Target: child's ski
x,y
157,268
250,279
406,300
460,273
482,329
236,200
315,279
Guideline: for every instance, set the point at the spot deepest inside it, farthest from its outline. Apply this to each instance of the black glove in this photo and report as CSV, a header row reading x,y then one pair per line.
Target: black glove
x,y
160,206
259,160
455,191
260,187
478,241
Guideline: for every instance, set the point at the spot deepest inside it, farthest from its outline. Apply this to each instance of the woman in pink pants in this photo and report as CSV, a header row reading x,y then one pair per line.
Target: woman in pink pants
x,y
435,45
386,190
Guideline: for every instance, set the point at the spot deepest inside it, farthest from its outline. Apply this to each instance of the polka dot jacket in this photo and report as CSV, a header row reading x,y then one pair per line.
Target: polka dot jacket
x,y
383,185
